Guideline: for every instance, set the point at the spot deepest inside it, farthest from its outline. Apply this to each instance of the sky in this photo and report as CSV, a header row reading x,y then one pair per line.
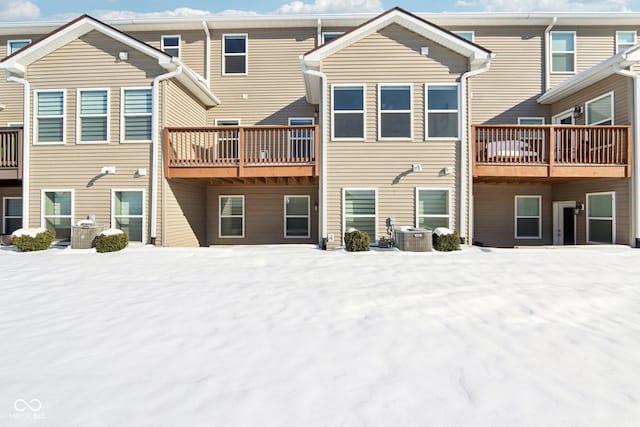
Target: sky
x,y
20,10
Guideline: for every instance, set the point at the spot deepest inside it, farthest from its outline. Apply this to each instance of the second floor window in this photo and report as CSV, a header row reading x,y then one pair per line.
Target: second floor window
x,y
234,54
624,40
93,120
15,45
50,117
328,36
442,111
348,112
171,45
137,112
600,110
467,35
563,51
394,118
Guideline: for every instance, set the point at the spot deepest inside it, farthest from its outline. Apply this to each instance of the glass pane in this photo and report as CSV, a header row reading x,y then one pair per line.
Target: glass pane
x,y
467,35
431,223
231,226
359,202
12,224
396,125
349,125
600,110
300,122
327,37
16,46
531,121
443,97
13,207
137,101
562,62
600,205
50,103
297,227
131,226
528,206
93,129
137,128
173,51
562,42
231,206
50,130
128,203
62,227
627,37
170,41
297,205
235,44
443,125
235,64
433,202
363,224
528,227
395,98
57,203
348,98
601,230
93,102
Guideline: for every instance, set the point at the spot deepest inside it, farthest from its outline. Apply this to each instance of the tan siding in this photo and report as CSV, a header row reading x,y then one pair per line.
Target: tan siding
x,y
7,192
192,45
182,109
184,210
264,214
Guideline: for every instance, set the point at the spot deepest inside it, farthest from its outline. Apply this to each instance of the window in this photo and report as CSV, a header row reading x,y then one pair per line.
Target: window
x,y
600,110
234,54
15,45
624,40
328,36
442,111
11,214
171,45
531,121
231,216
359,210
528,217
301,141
564,118
347,103
467,35
93,116
296,216
432,208
601,214
128,213
394,111
227,140
136,110
563,51
57,211
50,116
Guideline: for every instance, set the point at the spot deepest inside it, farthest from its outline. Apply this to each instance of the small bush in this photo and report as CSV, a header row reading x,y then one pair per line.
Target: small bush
x,y
446,242
40,242
356,241
110,242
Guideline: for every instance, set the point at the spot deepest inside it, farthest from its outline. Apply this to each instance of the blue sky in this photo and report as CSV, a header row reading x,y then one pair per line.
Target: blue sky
x,y
15,10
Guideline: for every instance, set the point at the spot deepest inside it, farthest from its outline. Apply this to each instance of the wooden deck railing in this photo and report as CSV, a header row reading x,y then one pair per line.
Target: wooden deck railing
x,y
11,153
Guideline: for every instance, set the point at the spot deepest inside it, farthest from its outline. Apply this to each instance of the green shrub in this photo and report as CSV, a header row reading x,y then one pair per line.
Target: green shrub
x,y
447,242
110,242
356,241
40,242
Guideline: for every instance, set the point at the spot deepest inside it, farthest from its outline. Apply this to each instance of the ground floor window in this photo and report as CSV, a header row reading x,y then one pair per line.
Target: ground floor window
x,y
528,217
128,213
11,214
432,208
57,211
231,216
601,223
296,216
359,210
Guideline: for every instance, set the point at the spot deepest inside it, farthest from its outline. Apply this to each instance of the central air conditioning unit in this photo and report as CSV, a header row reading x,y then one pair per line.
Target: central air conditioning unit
x,y
413,239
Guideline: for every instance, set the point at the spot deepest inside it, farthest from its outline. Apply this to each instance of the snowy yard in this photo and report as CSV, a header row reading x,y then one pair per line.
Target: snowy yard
x,y
293,336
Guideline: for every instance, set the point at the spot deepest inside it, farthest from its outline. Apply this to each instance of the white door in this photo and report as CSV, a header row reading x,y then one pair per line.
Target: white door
x,y
564,223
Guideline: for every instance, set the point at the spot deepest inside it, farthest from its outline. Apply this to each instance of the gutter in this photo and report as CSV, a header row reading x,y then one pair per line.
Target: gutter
x,y
26,147
547,53
207,54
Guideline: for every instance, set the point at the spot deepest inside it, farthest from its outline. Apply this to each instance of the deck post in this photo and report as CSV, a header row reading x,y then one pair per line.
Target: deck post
x,y
552,148
474,149
167,153
241,148
630,143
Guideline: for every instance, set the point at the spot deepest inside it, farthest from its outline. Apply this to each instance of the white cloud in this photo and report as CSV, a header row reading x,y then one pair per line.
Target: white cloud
x,y
181,12
328,6
18,9
547,5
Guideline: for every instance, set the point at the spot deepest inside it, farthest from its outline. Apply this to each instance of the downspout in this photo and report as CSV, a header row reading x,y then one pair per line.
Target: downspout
x,y
26,146
207,54
155,150
319,36
465,180
547,54
635,174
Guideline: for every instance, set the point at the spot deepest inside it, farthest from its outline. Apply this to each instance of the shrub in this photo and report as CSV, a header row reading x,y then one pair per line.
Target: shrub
x,y
110,242
356,241
446,242
28,242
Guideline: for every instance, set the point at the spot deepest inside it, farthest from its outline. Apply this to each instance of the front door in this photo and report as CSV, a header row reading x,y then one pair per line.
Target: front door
x,y
564,223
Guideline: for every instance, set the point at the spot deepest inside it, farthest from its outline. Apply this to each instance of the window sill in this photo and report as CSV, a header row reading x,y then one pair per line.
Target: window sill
x,y
49,143
92,142
234,74
136,142
348,139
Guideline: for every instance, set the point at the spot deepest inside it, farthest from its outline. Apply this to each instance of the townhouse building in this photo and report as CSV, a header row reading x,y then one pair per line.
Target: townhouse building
x,y
513,129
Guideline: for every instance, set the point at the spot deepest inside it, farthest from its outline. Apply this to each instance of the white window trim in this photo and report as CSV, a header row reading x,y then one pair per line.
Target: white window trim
x,y
244,215
15,124
427,111
459,34
245,54
42,204
144,210
79,115
375,216
418,215
520,119
179,47
516,216
329,33
567,113
290,119
307,216
363,111
574,52
122,115
216,122
36,135
586,109
28,41
635,37
380,112
4,210
613,217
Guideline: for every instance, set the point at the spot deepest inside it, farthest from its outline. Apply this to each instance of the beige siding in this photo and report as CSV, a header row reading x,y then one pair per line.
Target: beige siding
x,y
184,211
264,214
192,45
7,192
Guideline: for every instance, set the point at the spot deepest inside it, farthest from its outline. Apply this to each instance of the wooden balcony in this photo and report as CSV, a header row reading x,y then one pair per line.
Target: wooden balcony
x,y
10,154
552,151
249,154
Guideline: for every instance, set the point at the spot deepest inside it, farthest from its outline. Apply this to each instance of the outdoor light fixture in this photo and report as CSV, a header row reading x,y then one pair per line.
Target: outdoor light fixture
x,y
2,107
123,55
579,207
106,170
577,111
416,167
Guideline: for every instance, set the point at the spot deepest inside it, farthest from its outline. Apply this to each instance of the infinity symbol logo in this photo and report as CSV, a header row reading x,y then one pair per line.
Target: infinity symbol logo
x,y
22,405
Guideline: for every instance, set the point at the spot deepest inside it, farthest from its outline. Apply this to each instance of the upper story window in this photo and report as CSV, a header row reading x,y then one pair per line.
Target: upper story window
x,y
531,121
234,54
394,111
442,111
624,40
171,45
93,116
15,45
563,51
347,104
136,112
467,35
330,35
600,110
50,116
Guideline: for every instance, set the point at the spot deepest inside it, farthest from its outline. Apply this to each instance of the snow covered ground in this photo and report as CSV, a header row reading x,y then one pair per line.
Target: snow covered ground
x,y
293,336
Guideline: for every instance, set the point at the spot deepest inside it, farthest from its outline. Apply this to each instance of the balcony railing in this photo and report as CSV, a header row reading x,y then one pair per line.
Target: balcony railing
x,y
242,151
10,153
551,151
